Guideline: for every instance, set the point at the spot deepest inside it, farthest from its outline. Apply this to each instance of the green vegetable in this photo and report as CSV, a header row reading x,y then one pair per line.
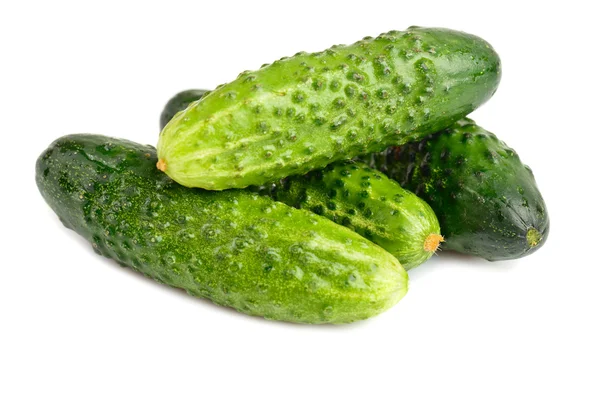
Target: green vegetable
x,y
304,112
234,247
486,200
178,103
368,202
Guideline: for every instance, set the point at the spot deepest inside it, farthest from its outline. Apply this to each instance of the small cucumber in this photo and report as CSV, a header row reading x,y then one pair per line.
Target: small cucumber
x,y
304,112
178,103
486,199
371,204
237,248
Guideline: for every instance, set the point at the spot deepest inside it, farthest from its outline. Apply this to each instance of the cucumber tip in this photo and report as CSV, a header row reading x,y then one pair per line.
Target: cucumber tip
x,y
162,165
432,242
534,237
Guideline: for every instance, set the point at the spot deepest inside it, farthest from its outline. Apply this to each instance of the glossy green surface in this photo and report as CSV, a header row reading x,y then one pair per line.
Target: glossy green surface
x,y
304,112
234,247
178,103
368,202
485,198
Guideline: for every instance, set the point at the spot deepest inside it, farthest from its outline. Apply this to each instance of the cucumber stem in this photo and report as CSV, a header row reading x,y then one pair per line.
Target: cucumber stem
x,y
432,242
533,237
162,165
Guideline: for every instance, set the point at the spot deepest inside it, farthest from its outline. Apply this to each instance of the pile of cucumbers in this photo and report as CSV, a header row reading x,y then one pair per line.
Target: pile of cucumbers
x,y
305,190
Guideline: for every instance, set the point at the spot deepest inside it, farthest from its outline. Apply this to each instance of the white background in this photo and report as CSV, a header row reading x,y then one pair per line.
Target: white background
x,y
76,326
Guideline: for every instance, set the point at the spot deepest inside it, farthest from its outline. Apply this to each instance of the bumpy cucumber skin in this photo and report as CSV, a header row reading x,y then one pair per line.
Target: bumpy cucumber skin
x,y
178,103
485,198
368,202
236,248
307,111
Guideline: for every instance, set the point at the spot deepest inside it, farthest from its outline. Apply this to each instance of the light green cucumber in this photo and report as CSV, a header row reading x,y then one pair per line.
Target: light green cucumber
x,y
304,112
371,204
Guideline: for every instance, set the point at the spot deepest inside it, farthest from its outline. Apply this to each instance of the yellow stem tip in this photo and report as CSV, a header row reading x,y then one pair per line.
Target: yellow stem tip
x,y
432,242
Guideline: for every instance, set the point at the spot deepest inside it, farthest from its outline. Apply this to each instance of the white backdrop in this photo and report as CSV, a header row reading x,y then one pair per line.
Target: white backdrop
x,y
76,326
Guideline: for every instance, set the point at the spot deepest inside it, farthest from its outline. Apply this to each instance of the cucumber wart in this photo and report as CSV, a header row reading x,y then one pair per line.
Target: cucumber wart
x,y
304,112
234,247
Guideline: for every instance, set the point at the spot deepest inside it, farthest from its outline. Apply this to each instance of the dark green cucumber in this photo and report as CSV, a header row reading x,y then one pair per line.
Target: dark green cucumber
x,y
178,103
237,248
304,112
368,202
485,198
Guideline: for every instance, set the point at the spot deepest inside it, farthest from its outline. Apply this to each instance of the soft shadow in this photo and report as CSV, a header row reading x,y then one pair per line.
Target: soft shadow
x,y
451,258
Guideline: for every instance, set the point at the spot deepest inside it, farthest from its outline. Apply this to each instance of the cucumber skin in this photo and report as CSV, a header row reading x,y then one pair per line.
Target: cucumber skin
x,y
236,248
178,103
307,111
369,203
485,198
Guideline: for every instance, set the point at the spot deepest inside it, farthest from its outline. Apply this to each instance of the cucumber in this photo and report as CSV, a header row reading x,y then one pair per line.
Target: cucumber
x,y
486,199
304,112
371,204
178,103
236,248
